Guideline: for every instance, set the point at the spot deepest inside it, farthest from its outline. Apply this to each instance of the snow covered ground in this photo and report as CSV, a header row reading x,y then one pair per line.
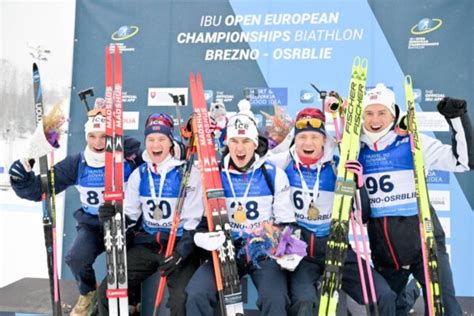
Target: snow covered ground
x,y
22,249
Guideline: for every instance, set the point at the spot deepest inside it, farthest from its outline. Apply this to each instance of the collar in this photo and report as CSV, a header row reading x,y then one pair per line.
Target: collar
x,y
227,166
328,153
168,163
93,159
381,143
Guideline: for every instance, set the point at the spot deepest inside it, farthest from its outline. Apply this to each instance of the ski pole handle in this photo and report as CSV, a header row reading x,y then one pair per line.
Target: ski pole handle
x,y
178,100
322,94
83,96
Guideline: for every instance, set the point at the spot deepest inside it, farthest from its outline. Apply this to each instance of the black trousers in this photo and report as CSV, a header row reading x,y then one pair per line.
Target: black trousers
x,y
142,261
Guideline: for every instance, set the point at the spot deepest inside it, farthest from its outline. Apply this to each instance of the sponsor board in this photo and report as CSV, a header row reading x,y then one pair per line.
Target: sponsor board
x,y
130,120
163,96
441,200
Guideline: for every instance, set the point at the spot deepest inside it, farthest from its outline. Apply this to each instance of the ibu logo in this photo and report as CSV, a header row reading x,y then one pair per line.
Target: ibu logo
x,y
426,25
125,32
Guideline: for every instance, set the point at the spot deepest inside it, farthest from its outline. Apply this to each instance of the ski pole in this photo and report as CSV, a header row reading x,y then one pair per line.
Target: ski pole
x,y
358,218
359,264
322,94
177,99
48,220
176,219
57,299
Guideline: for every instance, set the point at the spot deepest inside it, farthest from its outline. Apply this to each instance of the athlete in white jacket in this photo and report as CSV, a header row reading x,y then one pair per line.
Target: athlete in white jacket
x,y
150,200
388,173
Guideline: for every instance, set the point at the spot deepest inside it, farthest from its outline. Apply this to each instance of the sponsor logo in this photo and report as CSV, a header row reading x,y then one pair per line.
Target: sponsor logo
x,y
268,96
417,96
441,200
221,96
241,126
433,96
306,96
130,120
426,25
164,96
437,177
431,122
125,32
208,96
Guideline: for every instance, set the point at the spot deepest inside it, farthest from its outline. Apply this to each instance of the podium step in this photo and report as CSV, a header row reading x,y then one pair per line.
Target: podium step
x,y
31,295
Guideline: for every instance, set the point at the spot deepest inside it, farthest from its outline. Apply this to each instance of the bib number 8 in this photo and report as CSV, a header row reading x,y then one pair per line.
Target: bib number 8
x,y
251,209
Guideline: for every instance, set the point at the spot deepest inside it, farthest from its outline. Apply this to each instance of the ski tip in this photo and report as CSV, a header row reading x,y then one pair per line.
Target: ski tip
x,y
364,63
35,67
110,48
408,80
356,61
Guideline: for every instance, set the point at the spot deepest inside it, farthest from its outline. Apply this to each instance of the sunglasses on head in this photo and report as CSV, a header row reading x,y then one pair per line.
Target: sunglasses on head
x,y
304,122
95,112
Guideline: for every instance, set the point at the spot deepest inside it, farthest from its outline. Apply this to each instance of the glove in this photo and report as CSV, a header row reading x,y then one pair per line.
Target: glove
x,y
289,262
106,212
402,127
355,167
209,241
20,169
170,264
452,108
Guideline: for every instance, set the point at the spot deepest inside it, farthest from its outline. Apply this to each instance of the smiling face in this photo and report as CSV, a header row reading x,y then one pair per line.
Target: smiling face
x,y
309,145
158,147
96,142
377,118
241,150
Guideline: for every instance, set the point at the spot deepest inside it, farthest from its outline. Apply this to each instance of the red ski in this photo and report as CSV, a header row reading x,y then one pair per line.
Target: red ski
x,y
114,232
225,267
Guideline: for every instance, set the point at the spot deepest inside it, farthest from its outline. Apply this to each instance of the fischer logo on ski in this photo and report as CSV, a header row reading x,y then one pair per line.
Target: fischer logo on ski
x,y
336,246
428,247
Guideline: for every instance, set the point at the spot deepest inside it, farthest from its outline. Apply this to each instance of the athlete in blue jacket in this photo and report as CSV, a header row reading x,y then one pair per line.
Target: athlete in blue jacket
x,y
255,192
310,165
393,226
85,171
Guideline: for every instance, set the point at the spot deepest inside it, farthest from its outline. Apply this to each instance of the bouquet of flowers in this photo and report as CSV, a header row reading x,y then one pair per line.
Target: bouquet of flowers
x,y
271,241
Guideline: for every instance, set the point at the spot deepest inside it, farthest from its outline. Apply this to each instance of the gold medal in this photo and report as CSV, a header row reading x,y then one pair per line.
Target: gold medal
x,y
239,215
157,214
313,212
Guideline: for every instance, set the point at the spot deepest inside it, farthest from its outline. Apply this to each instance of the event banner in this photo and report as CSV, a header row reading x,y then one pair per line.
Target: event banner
x,y
271,52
